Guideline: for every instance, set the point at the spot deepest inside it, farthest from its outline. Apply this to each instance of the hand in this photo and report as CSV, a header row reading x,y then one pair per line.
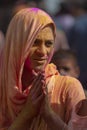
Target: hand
x,y
45,109
35,97
82,108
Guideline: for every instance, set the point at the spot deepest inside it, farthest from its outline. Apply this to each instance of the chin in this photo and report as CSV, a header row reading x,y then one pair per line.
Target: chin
x,y
38,68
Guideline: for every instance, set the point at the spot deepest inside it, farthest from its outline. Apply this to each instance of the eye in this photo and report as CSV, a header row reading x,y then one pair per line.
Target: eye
x,y
49,43
67,69
37,41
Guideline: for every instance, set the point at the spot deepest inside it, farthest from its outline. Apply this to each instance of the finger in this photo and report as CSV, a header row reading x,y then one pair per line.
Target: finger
x,y
38,73
38,77
42,73
39,99
45,92
40,85
35,84
35,89
38,91
45,89
34,73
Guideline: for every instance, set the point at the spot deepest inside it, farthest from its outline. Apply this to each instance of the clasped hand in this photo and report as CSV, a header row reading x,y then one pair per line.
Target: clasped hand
x,y
37,97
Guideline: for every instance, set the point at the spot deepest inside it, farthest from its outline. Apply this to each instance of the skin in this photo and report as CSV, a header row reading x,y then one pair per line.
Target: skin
x,y
68,67
83,109
41,49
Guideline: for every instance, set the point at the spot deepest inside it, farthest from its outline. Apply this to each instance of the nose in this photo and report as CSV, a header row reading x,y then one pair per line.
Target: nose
x,y
41,51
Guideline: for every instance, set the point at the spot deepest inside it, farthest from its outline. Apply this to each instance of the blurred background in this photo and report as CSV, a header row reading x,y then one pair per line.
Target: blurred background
x,y
70,17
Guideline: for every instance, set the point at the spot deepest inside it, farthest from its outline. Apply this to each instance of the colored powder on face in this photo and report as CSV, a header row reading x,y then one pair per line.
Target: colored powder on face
x,y
49,59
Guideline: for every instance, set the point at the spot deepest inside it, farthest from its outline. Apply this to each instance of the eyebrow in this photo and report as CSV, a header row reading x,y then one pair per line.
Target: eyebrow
x,y
46,40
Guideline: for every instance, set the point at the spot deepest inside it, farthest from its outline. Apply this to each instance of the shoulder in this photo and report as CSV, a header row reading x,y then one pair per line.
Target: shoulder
x,y
73,84
69,80
72,81
74,90
70,85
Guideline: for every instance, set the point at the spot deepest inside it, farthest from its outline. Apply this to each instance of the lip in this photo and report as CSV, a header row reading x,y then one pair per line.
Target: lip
x,y
41,61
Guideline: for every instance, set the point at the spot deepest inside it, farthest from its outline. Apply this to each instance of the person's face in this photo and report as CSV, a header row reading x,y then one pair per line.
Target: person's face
x,y
68,67
41,49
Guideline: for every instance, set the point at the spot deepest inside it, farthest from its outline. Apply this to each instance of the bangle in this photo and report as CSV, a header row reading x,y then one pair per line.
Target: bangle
x,y
64,126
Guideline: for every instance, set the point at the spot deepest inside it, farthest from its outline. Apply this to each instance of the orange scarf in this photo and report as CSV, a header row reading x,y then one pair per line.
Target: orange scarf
x,y
21,35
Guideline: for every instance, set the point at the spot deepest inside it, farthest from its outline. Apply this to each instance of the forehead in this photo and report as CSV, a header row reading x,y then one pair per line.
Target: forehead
x,y
66,62
46,33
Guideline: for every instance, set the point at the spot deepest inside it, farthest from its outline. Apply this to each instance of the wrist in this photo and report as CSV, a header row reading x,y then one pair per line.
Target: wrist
x,y
54,122
48,115
26,115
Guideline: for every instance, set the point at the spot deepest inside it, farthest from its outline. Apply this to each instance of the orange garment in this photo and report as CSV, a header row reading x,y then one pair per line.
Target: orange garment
x,y
64,92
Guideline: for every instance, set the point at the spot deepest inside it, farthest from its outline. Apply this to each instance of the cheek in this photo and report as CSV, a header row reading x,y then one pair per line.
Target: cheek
x,y
50,50
31,52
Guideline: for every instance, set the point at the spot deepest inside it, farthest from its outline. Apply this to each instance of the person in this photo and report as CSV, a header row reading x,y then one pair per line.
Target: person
x,y
33,95
66,62
77,36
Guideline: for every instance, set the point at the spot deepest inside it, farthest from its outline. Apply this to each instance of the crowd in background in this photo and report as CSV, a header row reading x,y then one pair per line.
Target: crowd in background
x,y
70,17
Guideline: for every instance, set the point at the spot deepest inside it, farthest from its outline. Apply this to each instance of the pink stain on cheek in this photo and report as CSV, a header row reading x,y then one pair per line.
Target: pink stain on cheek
x,y
27,64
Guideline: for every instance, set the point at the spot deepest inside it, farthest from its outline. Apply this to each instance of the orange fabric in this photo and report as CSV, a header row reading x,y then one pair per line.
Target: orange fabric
x,y
67,93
